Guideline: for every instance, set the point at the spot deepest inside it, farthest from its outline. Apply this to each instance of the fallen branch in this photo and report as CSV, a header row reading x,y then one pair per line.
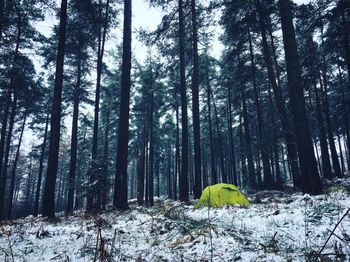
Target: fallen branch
x,y
330,235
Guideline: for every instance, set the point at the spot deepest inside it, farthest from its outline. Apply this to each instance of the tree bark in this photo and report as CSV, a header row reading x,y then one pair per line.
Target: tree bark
x,y
261,133
94,157
120,200
197,190
55,122
346,114
326,164
74,137
220,142
106,157
311,182
177,172
248,143
280,103
230,137
341,153
141,176
183,181
7,154
244,178
325,104
8,105
151,141
213,175
274,137
41,167
13,176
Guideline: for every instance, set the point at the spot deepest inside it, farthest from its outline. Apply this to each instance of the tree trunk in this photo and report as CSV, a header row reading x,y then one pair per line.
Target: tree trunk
x,y
120,200
197,189
8,105
183,181
13,176
151,143
94,158
157,173
311,182
74,138
100,53
141,176
278,176
41,167
280,103
213,175
55,122
326,164
78,197
341,153
177,149
248,143
230,137
146,149
169,171
18,182
325,103
261,134
106,158
245,179
205,168
29,181
7,153
346,115
132,179
220,142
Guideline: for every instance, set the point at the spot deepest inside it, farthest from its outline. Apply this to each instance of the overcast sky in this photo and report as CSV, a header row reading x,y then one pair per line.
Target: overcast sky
x,y
143,16
149,17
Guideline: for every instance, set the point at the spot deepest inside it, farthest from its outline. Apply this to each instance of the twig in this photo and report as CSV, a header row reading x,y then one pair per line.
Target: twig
x,y
335,227
10,246
273,238
334,234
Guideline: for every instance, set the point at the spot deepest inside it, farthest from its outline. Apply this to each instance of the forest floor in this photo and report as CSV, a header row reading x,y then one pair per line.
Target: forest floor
x,y
276,227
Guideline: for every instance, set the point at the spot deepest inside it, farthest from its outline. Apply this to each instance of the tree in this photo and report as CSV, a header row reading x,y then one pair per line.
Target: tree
x,y
80,27
311,182
183,180
197,190
17,74
120,199
104,22
279,97
50,183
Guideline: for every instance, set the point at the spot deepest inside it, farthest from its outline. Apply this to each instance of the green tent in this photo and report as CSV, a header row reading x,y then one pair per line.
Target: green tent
x,y
221,194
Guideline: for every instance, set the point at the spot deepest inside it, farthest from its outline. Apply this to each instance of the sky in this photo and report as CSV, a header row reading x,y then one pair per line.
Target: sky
x,y
149,18
145,17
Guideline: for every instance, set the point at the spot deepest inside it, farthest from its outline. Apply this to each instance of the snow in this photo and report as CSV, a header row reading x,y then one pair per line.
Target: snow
x,y
276,227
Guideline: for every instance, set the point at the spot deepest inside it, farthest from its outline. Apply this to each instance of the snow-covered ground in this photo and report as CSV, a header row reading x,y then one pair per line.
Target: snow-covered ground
x,y
276,227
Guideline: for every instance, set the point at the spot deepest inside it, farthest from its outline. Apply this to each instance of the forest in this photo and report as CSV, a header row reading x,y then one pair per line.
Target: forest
x,y
88,127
